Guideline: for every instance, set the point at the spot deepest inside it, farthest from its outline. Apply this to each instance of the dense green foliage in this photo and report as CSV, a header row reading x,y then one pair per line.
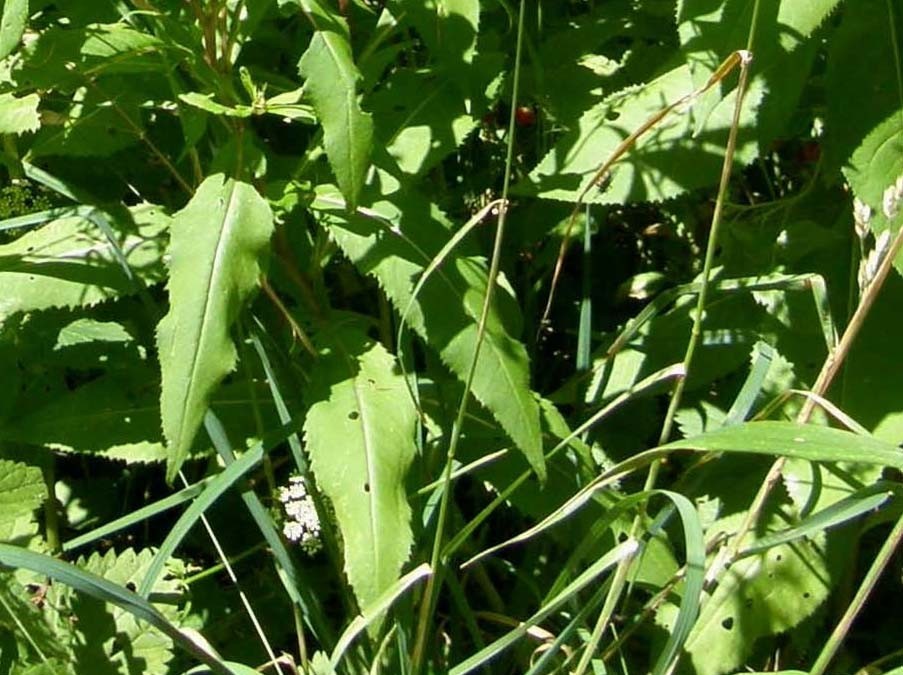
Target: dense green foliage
x,y
497,336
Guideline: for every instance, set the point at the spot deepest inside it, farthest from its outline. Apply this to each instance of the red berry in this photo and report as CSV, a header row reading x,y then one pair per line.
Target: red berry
x,y
810,152
525,116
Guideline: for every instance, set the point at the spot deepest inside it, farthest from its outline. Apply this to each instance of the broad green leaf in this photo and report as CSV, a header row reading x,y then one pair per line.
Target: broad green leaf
x,y
97,49
12,25
18,115
70,263
875,173
760,595
665,162
91,127
84,331
117,417
359,435
788,439
783,56
331,80
106,628
861,85
449,29
22,491
447,311
217,244
90,583
422,118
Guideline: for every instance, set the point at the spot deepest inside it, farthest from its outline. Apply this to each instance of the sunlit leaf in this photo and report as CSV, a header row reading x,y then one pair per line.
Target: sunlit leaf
x,y
331,79
501,381
71,263
12,25
217,245
359,434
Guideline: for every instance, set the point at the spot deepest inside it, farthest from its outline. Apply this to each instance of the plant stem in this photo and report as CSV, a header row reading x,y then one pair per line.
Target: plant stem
x,y
432,587
828,372
868,585
708,264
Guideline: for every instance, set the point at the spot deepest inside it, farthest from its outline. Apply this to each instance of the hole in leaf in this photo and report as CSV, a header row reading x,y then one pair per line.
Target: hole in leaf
x,y
622,537
353,415
779,557
366,487
131,586
806,595
612,115
728,623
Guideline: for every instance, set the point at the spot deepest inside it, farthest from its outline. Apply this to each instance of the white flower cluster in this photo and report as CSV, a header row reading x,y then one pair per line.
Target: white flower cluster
x,y
873,256
893,195
302,523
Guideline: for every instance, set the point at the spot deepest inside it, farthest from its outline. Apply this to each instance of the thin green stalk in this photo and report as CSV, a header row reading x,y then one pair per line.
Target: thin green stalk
x,y
708,264
227,566
829,371
608,609
429,597
888,548
51,517
836,358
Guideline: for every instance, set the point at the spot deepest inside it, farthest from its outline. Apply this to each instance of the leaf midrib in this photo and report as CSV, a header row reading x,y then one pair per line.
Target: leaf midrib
x,y
214,273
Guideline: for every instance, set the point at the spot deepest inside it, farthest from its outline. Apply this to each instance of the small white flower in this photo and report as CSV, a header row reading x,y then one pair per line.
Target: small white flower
x,y
890,200
862,214
302,523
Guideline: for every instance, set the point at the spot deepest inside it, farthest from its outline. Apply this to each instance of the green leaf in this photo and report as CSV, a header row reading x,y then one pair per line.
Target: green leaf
x,y
760,595
18,115
91,584
664,163
359,434
862,88
331,80
97,49
395,242
449,28
84,331
875,173
422,118
12,25
205,102
70,263
22,491
217,244
788,439
783,56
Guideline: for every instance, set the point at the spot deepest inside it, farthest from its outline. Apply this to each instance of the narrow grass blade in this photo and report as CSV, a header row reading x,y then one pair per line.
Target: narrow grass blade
x,y
213,491
102,589
377,609
762,357
41,217
862,502
694,578
788,439
138,516
610,559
